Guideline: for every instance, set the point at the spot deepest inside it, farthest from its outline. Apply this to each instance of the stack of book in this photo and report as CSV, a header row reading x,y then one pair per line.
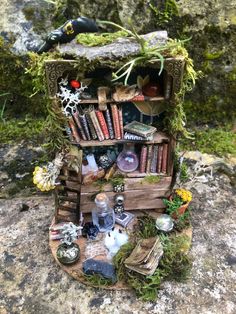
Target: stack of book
x,y
145,257
137,131
153,158
99,125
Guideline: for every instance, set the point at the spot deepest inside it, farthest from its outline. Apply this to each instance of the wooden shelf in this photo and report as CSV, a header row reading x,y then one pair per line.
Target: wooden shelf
x,y
137,174
135,99
158,137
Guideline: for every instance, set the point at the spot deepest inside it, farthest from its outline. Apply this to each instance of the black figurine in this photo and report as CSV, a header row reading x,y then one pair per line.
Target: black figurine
x,y
90,231
68,31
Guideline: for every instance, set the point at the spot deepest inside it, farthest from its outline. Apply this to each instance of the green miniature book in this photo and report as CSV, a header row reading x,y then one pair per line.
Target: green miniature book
x,y
139,128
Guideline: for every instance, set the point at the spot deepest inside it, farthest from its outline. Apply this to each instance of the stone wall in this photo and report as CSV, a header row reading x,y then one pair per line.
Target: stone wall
x,y
211,24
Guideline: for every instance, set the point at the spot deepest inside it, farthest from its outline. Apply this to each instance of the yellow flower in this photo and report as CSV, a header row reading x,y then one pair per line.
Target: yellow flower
x,y
185,195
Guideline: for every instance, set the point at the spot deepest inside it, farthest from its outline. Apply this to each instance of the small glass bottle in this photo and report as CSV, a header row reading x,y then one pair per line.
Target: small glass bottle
x,y
103,215
127,161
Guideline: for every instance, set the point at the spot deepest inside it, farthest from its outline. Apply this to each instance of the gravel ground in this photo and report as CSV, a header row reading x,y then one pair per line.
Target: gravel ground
x,y
31,282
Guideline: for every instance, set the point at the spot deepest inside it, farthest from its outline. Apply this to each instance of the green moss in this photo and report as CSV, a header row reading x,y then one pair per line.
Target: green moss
x,y
184,172
38,16
13,131
95,39
17,85
165,11
207,67
97,281
216,110
219,142
232,75
146,227
174,265
151,179
213,55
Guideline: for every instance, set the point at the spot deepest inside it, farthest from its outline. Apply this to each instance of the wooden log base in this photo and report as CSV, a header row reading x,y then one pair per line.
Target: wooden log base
x,y
76,271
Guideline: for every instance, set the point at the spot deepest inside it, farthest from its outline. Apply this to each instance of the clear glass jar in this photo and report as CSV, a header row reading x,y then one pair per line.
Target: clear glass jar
x,y
103,215
127,161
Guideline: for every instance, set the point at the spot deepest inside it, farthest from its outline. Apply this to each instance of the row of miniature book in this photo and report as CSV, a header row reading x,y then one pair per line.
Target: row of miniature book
x,y
153,158
92,124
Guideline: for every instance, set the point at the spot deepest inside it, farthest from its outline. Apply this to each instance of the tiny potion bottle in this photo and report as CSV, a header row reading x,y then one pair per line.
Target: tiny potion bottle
x,y
127,160
103,215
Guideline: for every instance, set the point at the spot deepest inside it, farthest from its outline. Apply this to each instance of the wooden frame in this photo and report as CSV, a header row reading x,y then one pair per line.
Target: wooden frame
x,y
72,197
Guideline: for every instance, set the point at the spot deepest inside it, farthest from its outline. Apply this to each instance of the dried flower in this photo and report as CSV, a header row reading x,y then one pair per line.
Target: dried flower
x,y
45,177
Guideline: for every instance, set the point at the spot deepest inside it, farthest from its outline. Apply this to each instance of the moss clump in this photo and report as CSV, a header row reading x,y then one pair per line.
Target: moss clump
x,y
216,110
174,265
146,227
219,142
183,172
97,280
165,11
12,131
37,15
16,85
213,55
36,71
95,39
151,179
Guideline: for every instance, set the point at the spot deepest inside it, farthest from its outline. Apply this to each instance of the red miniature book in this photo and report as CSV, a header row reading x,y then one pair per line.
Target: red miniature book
x,y
103,124
164,158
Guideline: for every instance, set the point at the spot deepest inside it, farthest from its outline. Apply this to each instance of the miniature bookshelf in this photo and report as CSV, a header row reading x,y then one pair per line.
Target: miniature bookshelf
x,y
72,196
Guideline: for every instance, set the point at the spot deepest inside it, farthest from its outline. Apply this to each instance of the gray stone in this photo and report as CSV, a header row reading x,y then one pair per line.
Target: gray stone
x,y
122,47
30,274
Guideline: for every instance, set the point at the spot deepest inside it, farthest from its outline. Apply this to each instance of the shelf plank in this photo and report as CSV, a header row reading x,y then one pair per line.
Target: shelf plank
x,y
132,202
135,99
130,184
159,137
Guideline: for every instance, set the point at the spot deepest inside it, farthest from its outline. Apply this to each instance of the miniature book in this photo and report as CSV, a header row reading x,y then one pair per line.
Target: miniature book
x,y
140,128
84,124
91,126
154,159
121,121
149,157
145,257
79,126
159,162
116,123
124,218
96,125
102,123
109,123
74,130
143,159
135,137
164,158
